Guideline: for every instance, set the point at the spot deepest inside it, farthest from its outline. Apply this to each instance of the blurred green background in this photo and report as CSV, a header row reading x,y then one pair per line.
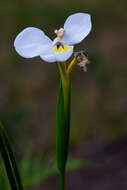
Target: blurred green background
x,y
28,92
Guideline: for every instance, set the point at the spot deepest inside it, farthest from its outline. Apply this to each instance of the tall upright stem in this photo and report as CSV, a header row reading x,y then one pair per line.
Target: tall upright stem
x,y
62,181
63,123
64,79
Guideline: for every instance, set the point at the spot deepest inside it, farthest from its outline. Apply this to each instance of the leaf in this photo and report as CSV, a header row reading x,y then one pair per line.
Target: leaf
x,y
4,182
63,130
9,161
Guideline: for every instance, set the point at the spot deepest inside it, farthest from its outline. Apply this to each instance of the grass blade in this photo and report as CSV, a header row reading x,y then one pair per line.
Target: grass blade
x,y
9,161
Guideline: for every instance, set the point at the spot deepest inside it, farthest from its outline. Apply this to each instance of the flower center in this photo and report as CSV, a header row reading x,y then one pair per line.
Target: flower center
x,y
58,44
60,33
60,47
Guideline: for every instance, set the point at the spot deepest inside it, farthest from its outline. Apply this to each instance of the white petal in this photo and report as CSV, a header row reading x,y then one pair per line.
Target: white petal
x,y
48,55
65,55
77,27
31,42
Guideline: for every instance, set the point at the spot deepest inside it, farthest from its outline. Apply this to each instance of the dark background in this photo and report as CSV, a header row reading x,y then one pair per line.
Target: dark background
x,y
28,91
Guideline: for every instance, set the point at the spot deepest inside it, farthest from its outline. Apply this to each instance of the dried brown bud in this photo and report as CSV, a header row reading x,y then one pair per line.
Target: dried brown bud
x,y
82,59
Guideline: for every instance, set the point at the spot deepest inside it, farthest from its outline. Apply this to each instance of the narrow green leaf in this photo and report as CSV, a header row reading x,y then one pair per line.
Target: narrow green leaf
x,y
9,161
63,130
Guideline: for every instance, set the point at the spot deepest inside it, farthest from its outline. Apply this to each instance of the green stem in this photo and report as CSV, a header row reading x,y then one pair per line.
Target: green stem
x,y
63,123
62,73
62,180
64,79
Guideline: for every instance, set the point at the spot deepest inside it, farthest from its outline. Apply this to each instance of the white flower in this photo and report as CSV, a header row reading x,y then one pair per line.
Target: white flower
x,y
32,42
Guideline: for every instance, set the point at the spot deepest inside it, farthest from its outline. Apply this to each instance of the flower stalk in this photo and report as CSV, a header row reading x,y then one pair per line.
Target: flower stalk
x,y
71,65
63,119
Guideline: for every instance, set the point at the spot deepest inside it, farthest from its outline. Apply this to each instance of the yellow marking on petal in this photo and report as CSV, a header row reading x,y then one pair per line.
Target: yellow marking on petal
x,y
55,49
61,48
66,48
